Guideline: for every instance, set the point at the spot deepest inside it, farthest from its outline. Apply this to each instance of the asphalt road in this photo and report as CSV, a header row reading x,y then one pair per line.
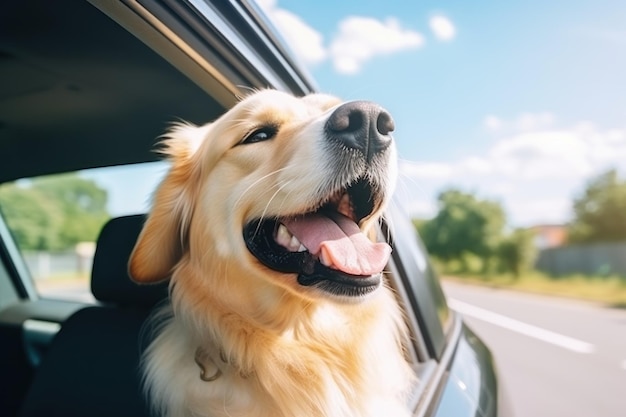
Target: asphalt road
x,y
555,357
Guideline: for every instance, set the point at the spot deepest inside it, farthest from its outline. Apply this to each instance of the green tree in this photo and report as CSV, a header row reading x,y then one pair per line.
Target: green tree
x,y
464,227
54,212
600,211
82,202
517,252
33,219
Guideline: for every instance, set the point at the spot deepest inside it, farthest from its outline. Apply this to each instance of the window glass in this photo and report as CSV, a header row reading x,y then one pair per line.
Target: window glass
x,y
422,283
55,220
8,294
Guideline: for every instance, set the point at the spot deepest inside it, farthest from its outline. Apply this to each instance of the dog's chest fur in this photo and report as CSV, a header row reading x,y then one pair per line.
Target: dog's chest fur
x,y
326,367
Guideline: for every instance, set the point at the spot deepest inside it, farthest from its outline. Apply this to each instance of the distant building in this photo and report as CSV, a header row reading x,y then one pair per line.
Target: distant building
x,y
549,236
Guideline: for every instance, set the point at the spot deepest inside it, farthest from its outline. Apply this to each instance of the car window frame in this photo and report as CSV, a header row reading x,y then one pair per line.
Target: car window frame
x,y
13,263
420,289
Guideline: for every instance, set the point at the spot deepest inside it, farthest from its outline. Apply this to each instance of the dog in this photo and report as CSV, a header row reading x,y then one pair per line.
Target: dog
x,y
265,225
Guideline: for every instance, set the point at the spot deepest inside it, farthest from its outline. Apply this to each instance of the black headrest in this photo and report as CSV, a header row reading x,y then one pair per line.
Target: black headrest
x,y
110,282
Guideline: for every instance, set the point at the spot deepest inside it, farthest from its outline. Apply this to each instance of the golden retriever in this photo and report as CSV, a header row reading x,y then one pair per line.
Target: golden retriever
x,y
264,223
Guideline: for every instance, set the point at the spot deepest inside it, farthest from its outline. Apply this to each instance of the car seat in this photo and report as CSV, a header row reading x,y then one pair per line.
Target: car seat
x,y
92,367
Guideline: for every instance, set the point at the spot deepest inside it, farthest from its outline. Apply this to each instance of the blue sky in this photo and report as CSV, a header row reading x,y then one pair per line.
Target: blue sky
x,y
519,102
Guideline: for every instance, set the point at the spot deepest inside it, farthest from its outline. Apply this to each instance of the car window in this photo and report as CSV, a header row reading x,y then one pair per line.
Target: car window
x,y
419,279
55,220
8,293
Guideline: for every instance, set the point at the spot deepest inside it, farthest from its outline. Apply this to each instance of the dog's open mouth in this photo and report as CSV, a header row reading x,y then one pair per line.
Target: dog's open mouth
x,y
325,247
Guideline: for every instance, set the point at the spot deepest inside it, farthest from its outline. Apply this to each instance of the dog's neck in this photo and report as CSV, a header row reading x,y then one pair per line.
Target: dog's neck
x,y
308,361
252,302
219,350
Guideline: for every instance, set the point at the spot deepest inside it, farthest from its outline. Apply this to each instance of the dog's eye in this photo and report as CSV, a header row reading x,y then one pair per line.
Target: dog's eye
x,y
261,134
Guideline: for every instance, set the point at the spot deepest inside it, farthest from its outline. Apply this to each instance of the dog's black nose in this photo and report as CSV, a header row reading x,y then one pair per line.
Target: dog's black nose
x,y
361,125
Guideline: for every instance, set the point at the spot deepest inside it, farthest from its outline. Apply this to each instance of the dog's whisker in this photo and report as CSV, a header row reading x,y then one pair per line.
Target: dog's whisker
x,y
406,162
280,188
404,176
285,199
259,180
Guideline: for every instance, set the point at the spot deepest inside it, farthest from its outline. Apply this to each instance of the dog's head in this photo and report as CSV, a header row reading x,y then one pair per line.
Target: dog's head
x,y
278,192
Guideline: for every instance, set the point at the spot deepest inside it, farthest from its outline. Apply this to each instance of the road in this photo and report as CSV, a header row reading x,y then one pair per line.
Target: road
x,y
556,357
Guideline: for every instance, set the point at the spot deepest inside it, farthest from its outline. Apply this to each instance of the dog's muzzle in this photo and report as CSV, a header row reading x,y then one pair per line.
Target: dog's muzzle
x,y
324,245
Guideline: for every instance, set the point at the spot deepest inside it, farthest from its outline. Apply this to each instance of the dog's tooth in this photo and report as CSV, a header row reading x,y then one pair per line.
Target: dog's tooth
x,y
283,231
302,248
294,244
283,236
344,206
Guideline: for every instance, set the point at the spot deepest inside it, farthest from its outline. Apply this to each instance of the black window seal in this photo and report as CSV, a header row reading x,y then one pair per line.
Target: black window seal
x,y
423,308
16,268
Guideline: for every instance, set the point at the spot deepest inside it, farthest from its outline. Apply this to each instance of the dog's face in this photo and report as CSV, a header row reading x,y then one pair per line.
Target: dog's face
x,y
279,192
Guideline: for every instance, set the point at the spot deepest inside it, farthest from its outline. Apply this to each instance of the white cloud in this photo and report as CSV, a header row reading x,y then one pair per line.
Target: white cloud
x,y
546,210
534,121
492,123
576,152
421,208
535,170
358,39
542,154
304,41
524,122
429,170
442,27
362,38
603,34
476,165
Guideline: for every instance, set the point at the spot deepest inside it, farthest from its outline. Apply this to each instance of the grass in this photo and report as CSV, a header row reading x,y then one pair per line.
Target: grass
x,y
610,291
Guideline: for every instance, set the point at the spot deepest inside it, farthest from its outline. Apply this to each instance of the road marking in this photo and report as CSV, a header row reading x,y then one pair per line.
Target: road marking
x,y
548,336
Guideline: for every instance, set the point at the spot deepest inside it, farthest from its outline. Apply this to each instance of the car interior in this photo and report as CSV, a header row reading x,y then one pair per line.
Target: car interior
x,y
81,83
77,89
91,84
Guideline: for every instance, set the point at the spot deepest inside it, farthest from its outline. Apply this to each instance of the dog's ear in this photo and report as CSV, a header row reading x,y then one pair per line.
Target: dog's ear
x,y
162,241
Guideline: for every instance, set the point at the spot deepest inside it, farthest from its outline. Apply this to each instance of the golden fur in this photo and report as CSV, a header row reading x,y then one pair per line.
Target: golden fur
x,y
282,349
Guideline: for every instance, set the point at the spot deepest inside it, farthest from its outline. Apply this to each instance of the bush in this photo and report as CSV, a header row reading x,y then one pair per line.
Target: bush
x,y
517,252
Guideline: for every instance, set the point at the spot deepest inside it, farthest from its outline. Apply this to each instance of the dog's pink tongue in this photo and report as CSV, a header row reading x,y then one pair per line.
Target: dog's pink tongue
x,y
339,240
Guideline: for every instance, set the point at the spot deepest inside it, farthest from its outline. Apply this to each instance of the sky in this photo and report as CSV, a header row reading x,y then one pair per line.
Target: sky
x,y
521,103
518,102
